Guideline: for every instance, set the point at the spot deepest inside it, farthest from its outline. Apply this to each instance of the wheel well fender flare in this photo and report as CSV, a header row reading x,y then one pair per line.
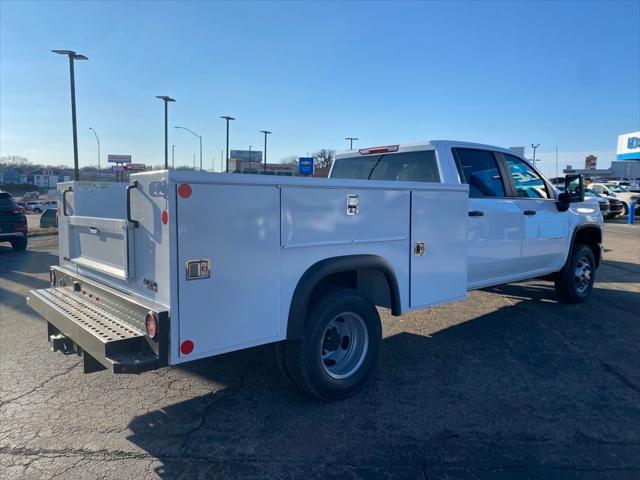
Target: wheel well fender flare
x,y
322,269
578,230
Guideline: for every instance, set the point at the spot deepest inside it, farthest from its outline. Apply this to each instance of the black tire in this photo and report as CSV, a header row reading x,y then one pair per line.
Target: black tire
x,y
575,281
275,357
314,362
36,210
19,244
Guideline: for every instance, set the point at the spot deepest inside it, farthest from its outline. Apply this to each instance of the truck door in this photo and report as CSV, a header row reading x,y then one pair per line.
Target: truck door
x,y
494,222
545,228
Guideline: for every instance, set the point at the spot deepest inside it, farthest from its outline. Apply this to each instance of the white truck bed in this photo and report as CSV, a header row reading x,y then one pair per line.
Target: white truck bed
x,y
258,236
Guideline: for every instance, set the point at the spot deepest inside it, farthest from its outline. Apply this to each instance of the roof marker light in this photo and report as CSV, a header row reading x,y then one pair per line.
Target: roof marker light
x,y
384,149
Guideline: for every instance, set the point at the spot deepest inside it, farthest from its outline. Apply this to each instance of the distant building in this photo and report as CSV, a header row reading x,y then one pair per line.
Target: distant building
x,y
12,176
628,146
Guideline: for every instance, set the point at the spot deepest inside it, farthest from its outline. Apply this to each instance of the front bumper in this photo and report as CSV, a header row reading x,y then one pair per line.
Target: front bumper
x,y
102,324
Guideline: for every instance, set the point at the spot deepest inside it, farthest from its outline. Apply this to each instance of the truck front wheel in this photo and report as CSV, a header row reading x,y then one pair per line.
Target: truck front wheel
x,y
575,282
340,346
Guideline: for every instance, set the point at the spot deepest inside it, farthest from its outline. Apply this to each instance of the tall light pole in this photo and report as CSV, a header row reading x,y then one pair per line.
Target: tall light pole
x,y
534,153
97,140
72,57
227,118
200,137
173,157
266,132
166,101
351,139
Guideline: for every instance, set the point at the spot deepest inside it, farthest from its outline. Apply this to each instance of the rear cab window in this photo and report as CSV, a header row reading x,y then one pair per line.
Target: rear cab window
x,y
418,166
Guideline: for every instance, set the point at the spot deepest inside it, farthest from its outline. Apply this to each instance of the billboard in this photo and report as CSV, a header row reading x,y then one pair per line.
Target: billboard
x,y
590,162
245,155
628,146
119,158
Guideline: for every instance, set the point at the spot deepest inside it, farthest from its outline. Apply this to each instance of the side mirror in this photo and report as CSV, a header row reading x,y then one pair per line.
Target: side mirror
x,y
573,192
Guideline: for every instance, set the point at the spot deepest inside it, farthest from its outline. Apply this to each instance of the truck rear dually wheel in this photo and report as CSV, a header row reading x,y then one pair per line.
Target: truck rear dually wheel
x,y
340,346
575,281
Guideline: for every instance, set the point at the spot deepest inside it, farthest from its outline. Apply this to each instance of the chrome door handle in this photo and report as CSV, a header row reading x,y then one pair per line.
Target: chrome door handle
x,y
529,212
476,213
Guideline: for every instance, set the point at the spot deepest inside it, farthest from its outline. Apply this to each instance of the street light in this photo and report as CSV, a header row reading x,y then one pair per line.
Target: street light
x,y
200,137
227,118
351,139
166,100
173,157
97,140
534,153
266,132
72,57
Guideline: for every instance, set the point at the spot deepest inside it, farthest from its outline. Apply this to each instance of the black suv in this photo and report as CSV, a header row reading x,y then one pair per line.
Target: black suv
x,y
13,223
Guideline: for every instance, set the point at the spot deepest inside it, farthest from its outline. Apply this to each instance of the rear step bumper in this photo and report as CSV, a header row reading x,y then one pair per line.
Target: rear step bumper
x,y
102,324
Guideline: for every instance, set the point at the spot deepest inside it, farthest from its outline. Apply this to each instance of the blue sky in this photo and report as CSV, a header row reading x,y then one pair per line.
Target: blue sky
x,y
505,73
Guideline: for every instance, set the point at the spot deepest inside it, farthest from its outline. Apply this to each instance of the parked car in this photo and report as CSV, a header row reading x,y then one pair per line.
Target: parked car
x,y
616,191
31,195
38,207
33,206
609,206
13,223
49,218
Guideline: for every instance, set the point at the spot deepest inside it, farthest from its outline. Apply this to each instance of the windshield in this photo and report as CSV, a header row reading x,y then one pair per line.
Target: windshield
x,y
418,166
616,188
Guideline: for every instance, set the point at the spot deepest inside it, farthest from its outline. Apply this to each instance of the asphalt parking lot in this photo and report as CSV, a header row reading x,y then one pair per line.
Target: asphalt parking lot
x,y
507,384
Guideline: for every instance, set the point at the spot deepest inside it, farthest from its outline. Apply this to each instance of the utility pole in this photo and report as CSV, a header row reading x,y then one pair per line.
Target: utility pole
x,y
266,132
557,164
227,118
166,101
72,57
200,137
351,139
173,157
97,140
534,153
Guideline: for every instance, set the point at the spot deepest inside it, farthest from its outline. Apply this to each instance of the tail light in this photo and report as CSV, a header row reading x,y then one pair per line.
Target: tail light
x,y
385,149
151,324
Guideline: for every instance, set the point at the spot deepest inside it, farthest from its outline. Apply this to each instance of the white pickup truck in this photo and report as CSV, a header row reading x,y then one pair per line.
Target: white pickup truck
x,y
176,266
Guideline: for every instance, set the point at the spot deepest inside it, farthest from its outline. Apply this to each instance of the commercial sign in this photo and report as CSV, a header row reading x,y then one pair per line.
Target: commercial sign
x,y
305,165
590,162
628,146
135,166
119,158
245,155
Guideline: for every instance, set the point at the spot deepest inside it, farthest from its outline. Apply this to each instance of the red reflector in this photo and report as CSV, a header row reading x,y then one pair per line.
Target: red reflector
x,y
165,217
151,324
184,190
386,149
187,347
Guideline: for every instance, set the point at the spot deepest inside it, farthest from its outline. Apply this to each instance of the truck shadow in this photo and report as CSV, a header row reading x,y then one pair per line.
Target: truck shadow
x,y
508,386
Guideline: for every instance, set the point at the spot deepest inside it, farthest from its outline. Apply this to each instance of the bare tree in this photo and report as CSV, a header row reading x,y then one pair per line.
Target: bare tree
x,y
15,161
324,158
290,160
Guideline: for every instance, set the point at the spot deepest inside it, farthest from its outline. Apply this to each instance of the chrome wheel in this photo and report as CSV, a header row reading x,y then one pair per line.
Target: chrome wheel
x,y
344,345
582,274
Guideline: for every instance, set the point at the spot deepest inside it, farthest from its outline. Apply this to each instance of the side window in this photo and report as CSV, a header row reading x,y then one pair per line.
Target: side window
x,y
480,170
527,182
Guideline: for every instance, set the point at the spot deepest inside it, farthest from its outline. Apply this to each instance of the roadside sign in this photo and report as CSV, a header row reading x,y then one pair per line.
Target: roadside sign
x,y
119,158
117,168
135,166
246,155
305,166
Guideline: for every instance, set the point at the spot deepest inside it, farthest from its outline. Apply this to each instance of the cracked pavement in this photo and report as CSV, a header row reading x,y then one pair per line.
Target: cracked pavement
x,y
507,384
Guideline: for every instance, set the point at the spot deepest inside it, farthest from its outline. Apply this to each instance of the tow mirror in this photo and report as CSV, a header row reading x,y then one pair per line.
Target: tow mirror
x,y
573,191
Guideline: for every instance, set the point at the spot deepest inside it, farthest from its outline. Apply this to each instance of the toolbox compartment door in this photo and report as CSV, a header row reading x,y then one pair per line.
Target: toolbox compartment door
x,y
438,247
228,250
